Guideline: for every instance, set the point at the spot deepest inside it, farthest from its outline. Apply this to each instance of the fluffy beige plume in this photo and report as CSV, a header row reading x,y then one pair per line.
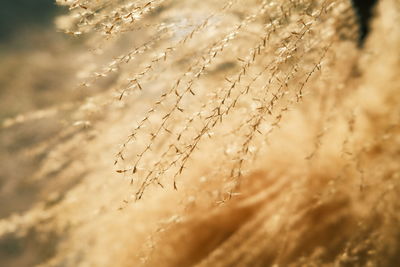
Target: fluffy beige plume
x,y
227,133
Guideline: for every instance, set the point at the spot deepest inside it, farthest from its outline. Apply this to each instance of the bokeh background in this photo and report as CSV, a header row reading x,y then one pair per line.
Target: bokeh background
x,y
19,16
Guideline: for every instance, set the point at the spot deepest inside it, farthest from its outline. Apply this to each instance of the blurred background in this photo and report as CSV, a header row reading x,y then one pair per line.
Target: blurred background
x,y
28,42
33,56
20,16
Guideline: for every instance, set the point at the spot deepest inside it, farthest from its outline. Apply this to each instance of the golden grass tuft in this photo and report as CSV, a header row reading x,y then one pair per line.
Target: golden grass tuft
x,y
230,133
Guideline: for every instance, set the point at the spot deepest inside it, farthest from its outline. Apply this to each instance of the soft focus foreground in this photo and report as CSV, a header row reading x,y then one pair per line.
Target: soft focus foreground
x,y
208,133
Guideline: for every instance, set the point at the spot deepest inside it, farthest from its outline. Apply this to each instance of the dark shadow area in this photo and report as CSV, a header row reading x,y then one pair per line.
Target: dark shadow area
x,y
21,15
365,12
28,250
